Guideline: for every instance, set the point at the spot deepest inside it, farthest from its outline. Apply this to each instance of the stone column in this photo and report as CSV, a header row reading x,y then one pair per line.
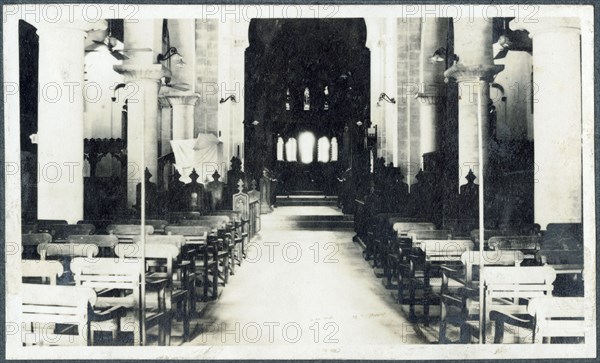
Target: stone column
x,y
473,72
142,122
434,32
390,46
60,118
557,120
183,115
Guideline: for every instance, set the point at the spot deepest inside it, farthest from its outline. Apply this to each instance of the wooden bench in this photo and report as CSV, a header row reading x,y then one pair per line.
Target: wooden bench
x,y
460,285
508,289
61,232
185,277
44,225
29,228
113,279
160,258
529,245
46,271
398,248
425,273
106,243
30,241
61,317
549,317
158,224
381,248
125,232
100,224
205,249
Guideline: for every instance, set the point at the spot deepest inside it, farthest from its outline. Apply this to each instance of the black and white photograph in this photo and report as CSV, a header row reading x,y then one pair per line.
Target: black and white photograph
x,y
299,181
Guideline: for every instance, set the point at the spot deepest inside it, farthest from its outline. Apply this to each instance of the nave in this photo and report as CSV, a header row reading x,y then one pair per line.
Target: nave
x,y
315,289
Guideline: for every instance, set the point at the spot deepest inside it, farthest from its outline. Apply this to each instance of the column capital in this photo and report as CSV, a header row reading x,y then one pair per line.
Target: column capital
x,y
183,99
69,25
142,71
547,25
473,73
163,102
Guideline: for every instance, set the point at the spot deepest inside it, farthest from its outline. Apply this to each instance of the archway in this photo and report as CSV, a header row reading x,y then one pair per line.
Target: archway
x,y
306,77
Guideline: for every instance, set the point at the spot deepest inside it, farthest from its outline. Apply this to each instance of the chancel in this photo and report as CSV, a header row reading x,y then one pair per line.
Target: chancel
x,y
375,175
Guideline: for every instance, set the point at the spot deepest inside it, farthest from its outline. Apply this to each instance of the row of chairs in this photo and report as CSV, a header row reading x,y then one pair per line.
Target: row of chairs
x,y
203,251
429,267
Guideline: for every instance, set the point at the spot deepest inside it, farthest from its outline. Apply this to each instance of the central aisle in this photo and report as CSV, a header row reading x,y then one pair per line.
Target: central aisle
x,y
304,287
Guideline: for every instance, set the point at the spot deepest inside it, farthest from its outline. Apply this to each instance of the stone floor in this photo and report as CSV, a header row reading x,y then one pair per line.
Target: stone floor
x,y
306,288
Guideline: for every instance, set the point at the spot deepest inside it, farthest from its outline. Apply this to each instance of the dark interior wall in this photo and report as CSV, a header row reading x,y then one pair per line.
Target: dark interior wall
x,y
28,88
298,53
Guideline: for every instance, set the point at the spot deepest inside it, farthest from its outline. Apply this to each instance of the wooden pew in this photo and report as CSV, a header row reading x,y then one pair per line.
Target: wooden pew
x,y
460,283
160,258
71,250
61,232
29,228
61,317
400,247
424,264
506,288
205,262
184,265
562,248
241,228
106,243
125,232
30,241
100,224
114,278
229,252
44,225
549,317
391,244
47,271
158,224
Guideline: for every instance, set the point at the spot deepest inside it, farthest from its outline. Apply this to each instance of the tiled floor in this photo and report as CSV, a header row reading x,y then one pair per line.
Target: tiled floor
x,y
304,287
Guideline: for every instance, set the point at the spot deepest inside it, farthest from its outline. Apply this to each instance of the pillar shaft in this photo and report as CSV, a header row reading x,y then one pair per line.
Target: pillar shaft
x,y
473,72
431,82
142,123
183,115
557,121
60,120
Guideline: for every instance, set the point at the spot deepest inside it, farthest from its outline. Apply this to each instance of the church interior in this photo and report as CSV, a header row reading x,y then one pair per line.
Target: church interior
x,y
361,180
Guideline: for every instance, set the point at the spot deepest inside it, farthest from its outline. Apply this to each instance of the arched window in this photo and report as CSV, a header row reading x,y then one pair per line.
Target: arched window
x,y
279,149
323,150
306,146
334,149
291,149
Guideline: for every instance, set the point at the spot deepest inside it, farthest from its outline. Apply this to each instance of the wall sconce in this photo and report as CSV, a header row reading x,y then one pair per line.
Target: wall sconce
x,y
170,53
440,56
359,123
386,98
230,97
117,87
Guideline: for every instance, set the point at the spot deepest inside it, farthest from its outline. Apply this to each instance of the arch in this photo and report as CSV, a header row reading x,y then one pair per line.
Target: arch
x,y
279,149
334,149
323,149
306,146
291,149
